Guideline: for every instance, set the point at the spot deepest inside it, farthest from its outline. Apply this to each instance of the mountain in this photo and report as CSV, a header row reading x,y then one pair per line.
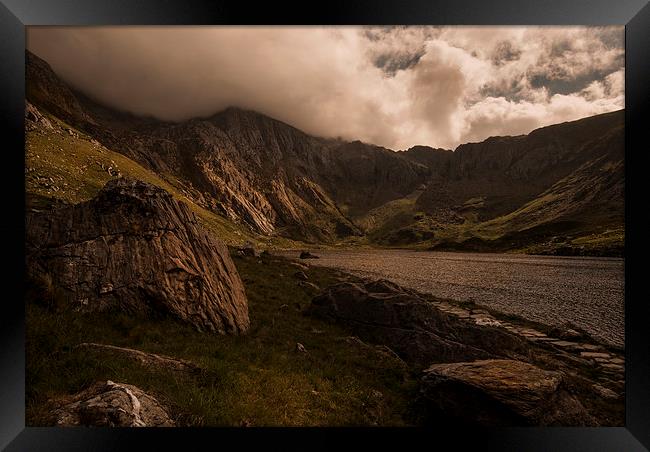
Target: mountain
x,y
562,183
510,171
566,181
244,165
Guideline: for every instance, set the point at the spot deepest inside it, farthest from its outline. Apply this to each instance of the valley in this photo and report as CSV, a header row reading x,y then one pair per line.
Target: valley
x,y
557,190
167,263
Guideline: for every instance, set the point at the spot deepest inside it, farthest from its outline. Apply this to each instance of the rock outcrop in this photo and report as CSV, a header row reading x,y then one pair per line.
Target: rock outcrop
x,y
134,247
385,313
34,118
149,360
112,404
500,392
307,255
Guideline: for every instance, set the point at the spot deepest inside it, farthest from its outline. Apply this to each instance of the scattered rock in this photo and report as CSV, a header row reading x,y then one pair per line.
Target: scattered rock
x,y
249,250
613,367
309,285
594,355
112,404
487,321
604,392
500,393
590,347
34,118
301,275
567,332
565,344
148,247
299,265
307,255
384,313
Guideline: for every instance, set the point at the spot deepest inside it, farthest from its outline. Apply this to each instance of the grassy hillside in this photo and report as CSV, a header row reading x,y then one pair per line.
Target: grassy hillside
x,y
257,379
65,165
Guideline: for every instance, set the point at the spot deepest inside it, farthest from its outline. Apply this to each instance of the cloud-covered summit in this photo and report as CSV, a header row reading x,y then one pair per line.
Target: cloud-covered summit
x,y
392,86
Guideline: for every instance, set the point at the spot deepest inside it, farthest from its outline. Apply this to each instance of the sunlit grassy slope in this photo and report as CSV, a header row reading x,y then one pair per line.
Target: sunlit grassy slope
x,y
65,164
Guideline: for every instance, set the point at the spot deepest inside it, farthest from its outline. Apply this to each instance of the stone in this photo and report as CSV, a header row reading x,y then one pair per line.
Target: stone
x,y
590,347
487,321
604,392
301,275
134,247
307,255
112,404
249,250
34,116
498,392
567,332
308,285
594,355
613,367
564,344
299,265
300,348
150,360
384,313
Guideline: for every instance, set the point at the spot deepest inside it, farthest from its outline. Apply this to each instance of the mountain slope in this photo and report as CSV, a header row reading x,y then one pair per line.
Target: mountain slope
x,y
248,167
274,180
507,172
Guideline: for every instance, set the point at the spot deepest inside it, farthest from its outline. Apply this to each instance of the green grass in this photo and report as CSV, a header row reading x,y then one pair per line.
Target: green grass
x,y
258,378
614,236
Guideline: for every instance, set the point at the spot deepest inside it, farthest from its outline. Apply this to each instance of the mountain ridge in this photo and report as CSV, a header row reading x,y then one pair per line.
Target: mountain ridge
x,y
278,180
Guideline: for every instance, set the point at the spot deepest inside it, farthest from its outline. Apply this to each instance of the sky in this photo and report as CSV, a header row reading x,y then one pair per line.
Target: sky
x,y
396,87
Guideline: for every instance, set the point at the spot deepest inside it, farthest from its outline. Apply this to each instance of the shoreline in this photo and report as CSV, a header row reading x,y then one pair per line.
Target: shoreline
x,y
437,289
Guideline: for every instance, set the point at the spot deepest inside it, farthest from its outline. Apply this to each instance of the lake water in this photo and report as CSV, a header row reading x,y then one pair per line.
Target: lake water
x,y
586,291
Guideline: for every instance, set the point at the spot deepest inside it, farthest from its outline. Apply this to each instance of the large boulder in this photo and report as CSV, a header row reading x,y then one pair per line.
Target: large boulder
x,y
385,313
134,247
500,392
112,404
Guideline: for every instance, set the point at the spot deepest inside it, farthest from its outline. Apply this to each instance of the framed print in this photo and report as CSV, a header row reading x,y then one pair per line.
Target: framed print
x,y
400,221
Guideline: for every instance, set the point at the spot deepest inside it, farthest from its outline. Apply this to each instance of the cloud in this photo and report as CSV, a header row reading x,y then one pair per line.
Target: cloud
x,y
392,86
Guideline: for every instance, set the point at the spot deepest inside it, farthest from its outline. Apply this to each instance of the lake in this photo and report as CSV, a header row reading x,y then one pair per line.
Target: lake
x,y
586,291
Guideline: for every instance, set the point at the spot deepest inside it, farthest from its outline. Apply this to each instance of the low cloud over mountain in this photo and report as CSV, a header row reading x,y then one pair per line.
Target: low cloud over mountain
x,y
395,86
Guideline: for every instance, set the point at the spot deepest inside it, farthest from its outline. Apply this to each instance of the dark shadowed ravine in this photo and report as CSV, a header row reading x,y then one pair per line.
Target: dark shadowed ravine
x,y
586,291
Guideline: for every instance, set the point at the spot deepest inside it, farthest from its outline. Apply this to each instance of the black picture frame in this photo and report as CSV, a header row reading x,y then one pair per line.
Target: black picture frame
x,y
16,14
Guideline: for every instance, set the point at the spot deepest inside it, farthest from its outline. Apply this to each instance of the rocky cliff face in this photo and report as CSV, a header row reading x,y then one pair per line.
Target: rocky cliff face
x,y
136,248
246,166
277,180
507,172
46,90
